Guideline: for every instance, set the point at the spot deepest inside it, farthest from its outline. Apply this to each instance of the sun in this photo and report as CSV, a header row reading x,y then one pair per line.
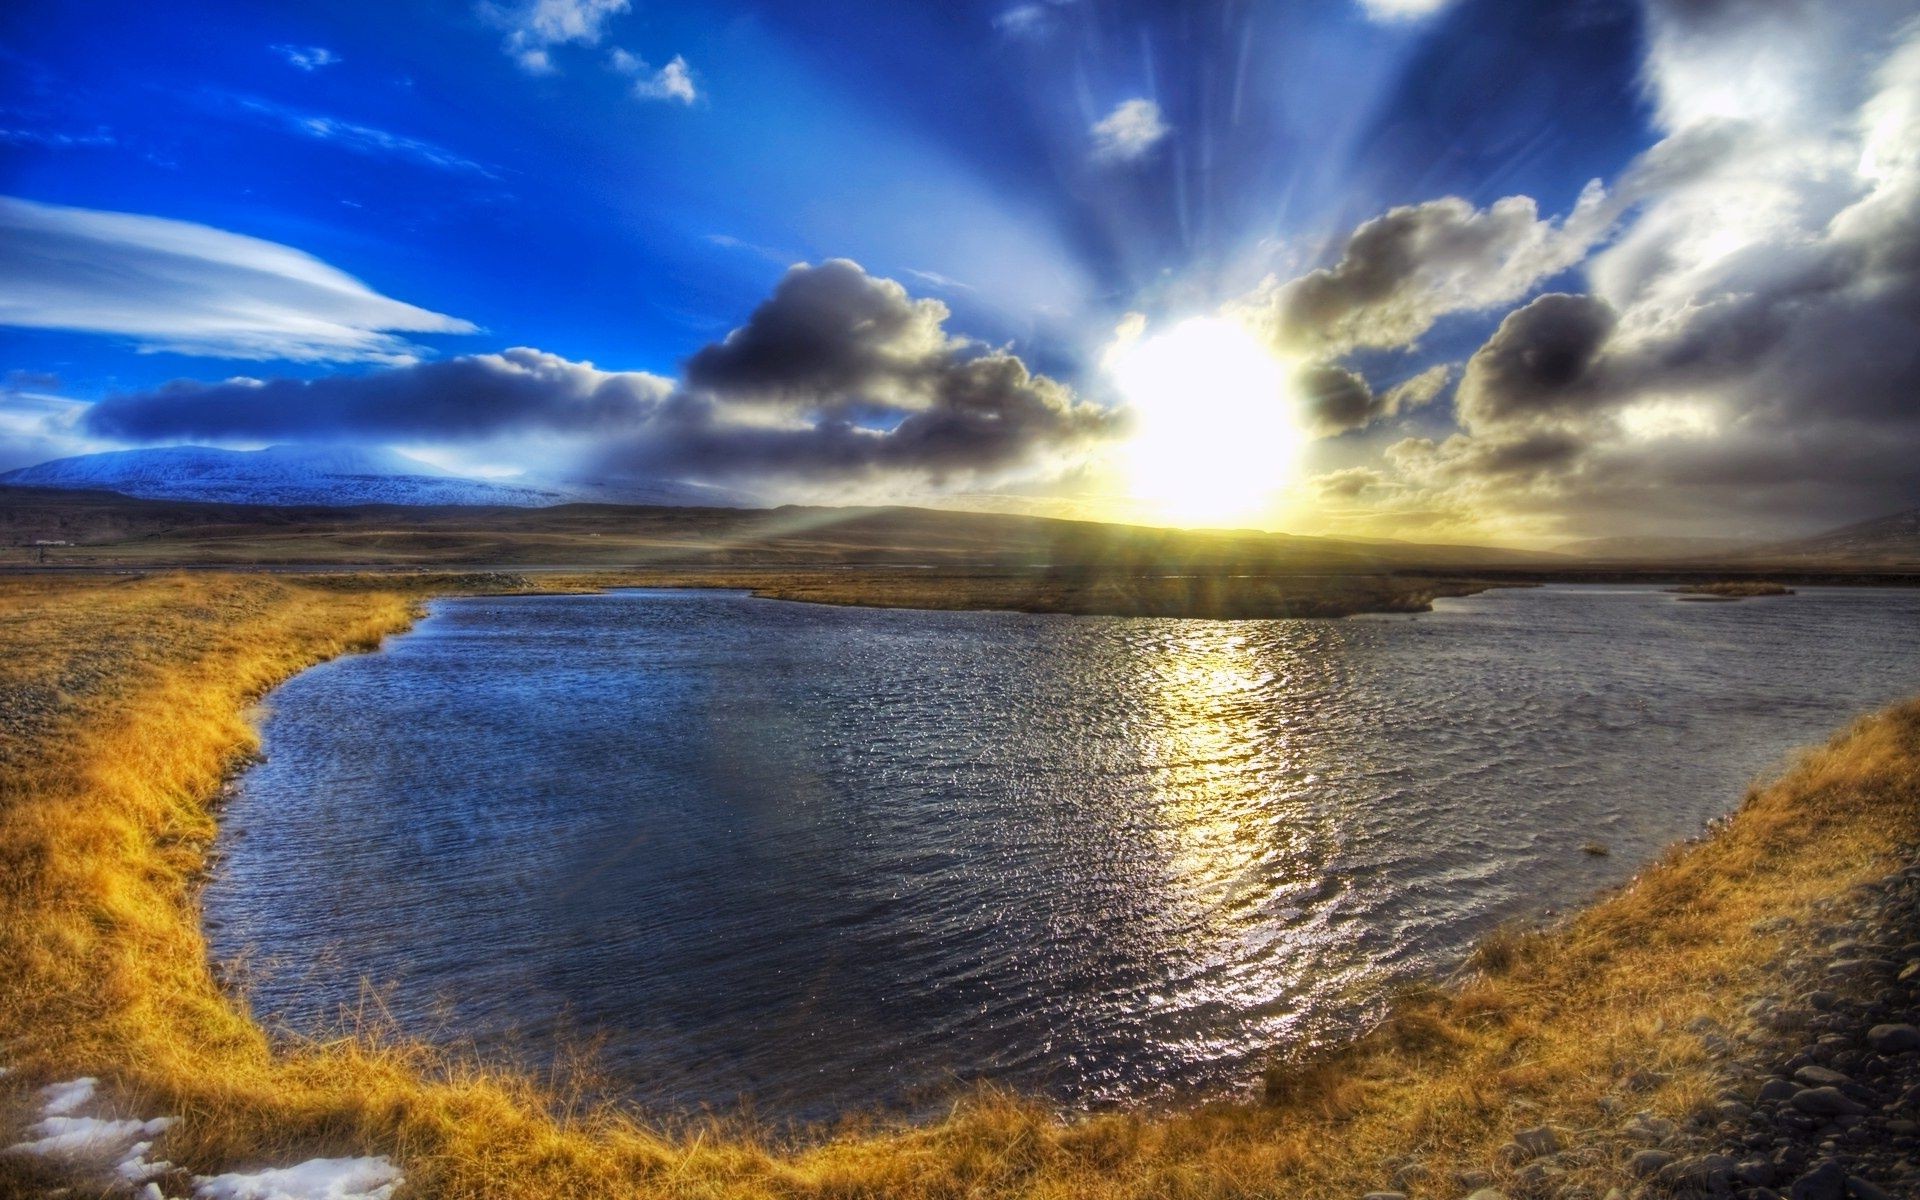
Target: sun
x,y
1214,435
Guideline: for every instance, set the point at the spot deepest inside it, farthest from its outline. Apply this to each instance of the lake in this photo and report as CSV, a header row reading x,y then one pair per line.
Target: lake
x,y
821,860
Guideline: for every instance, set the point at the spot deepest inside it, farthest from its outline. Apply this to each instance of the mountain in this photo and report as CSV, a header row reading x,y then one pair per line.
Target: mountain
x,y
328,475
1884,541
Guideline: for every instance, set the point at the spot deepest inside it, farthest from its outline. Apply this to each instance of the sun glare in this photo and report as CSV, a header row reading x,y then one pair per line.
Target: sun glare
x,y
1214,431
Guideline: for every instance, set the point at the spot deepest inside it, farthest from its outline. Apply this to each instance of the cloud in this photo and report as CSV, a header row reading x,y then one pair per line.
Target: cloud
x,y
830,334
1029,21
534,28
1389,12
1400,272
306,58
673,82
59,139
1129,133
839,377
1334,400
191,289
36,422
1538,365
473,396
360,139
858,376
1744,350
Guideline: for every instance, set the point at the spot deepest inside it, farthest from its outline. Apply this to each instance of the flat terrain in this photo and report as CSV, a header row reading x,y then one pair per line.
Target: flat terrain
x,y
123,705
899,557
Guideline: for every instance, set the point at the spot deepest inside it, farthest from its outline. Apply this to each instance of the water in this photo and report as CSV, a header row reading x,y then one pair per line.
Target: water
x,y
831,859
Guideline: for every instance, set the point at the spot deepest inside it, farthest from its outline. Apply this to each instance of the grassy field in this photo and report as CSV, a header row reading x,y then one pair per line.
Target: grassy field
x,y
124,707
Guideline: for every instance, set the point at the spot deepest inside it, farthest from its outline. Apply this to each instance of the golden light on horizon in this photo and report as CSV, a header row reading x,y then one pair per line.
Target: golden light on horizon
x,y
1214,434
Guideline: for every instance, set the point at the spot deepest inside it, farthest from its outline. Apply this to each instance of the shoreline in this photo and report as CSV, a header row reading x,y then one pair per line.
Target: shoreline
x,y
1421,1082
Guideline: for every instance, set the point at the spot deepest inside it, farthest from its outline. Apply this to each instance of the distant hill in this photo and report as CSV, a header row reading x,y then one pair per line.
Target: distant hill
x,y
103,528
1884,541
1652,549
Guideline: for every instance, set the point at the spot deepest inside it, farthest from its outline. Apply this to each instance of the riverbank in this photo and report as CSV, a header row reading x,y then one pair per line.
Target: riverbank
x,y
125,703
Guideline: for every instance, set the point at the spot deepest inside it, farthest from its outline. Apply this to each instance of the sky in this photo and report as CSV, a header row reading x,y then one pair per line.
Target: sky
x,y
1449,270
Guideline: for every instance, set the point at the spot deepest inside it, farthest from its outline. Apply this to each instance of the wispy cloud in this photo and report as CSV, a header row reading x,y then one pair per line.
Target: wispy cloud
x,y
937,280
54,139
191,289
772,254
306,58
1130,132
361,139
673,82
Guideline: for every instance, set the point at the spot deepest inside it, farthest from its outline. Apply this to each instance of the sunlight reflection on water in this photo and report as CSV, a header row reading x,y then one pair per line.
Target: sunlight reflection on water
x,y
840,858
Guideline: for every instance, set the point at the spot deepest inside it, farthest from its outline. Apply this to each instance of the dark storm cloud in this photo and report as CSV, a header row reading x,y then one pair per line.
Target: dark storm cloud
x,y
474,396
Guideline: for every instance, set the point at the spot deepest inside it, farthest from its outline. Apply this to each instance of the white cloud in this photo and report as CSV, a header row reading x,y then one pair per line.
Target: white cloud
x,y
1129,132
191,289
673,82
1388,12
307,58
535,27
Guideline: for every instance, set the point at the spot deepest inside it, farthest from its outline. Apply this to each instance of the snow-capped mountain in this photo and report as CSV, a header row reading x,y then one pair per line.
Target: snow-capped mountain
x,y
333,475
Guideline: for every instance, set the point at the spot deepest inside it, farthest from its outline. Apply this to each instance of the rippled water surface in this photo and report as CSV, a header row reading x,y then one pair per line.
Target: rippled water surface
x,y
833,858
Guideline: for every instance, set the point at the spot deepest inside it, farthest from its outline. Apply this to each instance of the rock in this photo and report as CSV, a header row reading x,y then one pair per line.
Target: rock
x,y
1701,1173
1487,1193
1893,1039
1648,1129
1911,972
1827,1102
1648,1163
1535,1177
1825,1182
1861,1189
1538,1142
1777,1091
1821,1077
1754,1172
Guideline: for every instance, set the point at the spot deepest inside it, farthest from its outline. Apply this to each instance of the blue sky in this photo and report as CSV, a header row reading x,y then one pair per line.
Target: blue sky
x,y
621,184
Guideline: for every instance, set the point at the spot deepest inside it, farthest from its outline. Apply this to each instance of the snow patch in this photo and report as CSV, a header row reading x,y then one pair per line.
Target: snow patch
x,y
98,1143
115,1149
316,1179
58,1099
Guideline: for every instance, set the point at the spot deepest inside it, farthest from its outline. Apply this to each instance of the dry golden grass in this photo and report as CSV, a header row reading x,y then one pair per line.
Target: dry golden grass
x,y
123,708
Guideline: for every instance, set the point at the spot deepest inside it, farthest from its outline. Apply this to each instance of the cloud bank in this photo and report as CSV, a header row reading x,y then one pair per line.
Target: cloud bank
x,y
191,289
837,377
